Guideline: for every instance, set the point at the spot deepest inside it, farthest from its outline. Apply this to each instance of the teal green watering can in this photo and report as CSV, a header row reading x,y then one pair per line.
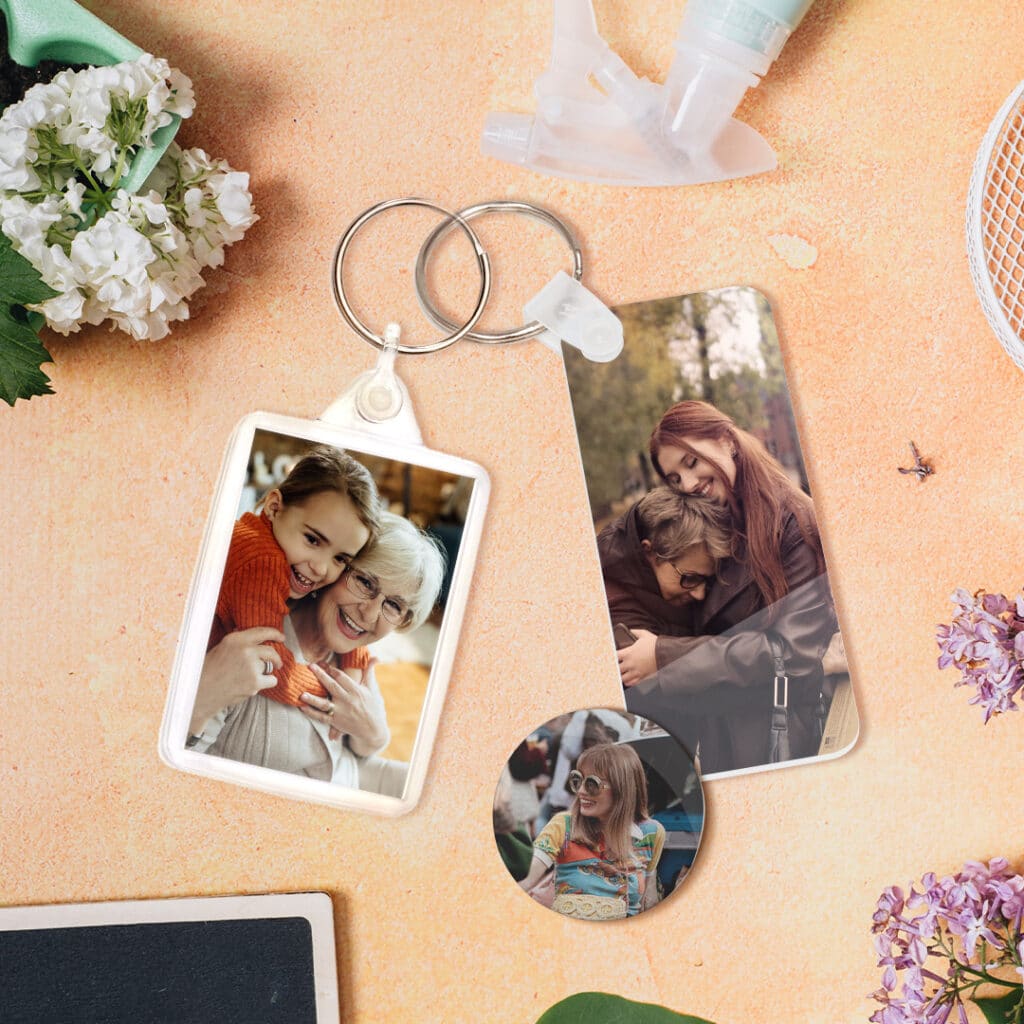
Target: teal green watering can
x,y
61,30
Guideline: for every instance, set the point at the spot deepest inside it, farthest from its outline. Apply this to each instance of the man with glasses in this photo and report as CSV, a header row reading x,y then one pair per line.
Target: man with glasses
x,y
657,561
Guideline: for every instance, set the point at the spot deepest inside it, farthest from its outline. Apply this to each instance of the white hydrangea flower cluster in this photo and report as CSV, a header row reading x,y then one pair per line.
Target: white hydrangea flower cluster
x,y
131,259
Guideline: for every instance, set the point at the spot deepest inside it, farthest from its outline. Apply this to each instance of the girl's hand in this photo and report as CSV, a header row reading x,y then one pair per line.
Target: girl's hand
x,y
638,661
234,670
350,710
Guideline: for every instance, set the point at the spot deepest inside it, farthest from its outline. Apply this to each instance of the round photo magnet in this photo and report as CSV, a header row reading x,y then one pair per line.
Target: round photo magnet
x,y
598,814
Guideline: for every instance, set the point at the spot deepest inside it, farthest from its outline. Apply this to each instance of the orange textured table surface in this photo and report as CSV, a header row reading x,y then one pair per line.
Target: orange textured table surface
x,y
876,109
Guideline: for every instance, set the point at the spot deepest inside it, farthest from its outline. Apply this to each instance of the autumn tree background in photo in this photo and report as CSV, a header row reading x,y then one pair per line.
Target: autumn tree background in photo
x,y
720,347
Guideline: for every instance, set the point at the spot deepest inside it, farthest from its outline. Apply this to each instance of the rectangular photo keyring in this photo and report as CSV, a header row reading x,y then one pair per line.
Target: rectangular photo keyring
x,y
721,612
324,614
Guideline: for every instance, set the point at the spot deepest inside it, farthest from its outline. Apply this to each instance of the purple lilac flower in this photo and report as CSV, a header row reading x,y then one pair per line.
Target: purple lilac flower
x,y
970,922
985,641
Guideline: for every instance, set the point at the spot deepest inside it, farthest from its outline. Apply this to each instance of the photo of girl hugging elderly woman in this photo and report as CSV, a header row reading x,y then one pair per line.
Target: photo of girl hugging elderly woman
x,y
714,572
318,571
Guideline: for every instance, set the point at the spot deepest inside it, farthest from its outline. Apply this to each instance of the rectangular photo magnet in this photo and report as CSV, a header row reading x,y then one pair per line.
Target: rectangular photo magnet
x,y
324,614
720,610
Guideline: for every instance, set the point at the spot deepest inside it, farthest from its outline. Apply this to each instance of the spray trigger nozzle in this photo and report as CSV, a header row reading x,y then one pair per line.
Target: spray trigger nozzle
x,y
598,121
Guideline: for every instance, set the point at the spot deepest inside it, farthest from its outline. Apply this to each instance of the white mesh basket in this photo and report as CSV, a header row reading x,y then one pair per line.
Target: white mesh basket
x,y
995,225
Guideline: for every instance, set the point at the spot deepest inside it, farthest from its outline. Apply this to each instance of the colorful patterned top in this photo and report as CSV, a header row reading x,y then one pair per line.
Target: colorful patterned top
x,y
580,869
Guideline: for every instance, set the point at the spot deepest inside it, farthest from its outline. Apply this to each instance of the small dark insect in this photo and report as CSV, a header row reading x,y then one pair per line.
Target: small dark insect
x,y
921,467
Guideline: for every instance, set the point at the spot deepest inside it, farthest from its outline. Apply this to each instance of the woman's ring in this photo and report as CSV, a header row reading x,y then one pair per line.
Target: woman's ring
x,y
268,667
329,711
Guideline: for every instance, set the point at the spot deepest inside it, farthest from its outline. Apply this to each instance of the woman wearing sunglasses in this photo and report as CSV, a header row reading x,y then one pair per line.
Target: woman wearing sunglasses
x,y
391,586
771,586
604,851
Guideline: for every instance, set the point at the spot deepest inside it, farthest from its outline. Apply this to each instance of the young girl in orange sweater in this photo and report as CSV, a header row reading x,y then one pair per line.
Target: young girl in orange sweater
x,y
310,527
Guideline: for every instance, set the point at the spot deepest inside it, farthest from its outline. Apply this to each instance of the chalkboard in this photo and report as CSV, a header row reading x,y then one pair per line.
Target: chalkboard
x,y
103,968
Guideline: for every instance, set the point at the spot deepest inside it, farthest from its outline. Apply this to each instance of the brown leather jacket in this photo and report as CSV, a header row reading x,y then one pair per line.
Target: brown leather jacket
x,y
715,672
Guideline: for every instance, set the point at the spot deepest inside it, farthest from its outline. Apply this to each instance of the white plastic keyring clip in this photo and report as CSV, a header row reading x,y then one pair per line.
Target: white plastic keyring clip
x,y
575,315
378,400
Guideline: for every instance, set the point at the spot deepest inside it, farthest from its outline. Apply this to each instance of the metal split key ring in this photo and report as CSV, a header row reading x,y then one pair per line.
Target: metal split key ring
x,y
530,330
461,220
349,314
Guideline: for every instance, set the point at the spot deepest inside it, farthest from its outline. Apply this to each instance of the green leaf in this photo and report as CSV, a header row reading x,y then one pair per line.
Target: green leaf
x,y
21,351
20,283
998,1010
602,1008
21,354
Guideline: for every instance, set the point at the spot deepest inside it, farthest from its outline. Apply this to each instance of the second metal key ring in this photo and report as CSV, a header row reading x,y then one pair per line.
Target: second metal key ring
x,y
530,330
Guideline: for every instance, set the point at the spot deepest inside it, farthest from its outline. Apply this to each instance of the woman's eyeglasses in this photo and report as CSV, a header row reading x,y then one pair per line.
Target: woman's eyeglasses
x,y
367,588
692,580
590,784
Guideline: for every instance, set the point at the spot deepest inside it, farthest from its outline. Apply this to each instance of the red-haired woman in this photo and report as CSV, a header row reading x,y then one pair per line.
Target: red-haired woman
x,y
604,850
772,587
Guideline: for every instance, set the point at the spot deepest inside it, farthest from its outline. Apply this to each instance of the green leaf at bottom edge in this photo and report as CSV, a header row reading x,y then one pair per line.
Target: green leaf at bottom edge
x,y
997,1011
602,1008
21,355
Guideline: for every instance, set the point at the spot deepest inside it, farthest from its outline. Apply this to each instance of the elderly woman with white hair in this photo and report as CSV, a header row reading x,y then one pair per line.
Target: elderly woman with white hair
x,y
392,586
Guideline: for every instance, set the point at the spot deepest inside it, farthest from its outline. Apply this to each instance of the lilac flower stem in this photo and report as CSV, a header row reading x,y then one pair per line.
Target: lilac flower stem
x,y
984,976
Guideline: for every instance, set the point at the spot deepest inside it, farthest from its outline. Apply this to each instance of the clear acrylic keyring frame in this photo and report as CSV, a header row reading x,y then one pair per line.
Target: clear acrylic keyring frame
x,y
235,742
377,340
400,789
524,332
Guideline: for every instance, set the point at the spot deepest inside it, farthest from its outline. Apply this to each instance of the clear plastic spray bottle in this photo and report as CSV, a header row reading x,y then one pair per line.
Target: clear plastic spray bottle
x,y
723,48
597,121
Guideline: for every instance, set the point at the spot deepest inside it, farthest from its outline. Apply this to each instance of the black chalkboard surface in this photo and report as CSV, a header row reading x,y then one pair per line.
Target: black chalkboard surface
x,y
228,960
